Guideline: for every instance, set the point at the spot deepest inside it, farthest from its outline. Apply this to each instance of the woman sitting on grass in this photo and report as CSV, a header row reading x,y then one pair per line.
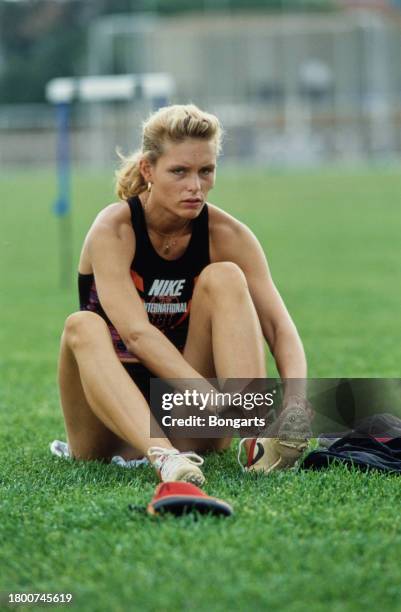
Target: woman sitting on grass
x,y
170,287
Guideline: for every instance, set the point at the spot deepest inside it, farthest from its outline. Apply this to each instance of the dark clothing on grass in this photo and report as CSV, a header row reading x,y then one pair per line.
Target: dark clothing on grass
x,y
362,453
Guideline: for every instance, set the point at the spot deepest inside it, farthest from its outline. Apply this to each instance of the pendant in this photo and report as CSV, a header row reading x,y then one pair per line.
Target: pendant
x,y
168,245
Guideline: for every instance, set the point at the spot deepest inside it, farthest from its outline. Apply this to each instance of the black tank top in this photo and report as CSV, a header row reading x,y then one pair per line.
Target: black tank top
x,y
165,287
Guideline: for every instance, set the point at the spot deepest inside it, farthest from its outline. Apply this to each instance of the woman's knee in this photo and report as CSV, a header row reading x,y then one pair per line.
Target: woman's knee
x,y
222,276
83,326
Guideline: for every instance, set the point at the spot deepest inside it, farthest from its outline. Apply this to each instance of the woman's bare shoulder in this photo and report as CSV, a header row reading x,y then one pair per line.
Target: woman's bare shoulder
x,y
112,217
225,233
112,222
221,221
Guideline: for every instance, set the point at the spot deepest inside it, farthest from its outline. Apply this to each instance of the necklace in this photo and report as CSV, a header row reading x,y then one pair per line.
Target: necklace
x,y
170,240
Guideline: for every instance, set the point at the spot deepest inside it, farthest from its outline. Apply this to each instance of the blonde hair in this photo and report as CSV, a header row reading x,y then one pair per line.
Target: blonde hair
x,y
169,124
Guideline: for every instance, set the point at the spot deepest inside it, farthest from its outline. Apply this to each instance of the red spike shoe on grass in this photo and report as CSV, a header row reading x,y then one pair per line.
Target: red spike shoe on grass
x,y
180,498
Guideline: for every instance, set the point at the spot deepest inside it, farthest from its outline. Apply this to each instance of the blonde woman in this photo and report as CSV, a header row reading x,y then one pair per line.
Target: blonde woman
x,y
172,287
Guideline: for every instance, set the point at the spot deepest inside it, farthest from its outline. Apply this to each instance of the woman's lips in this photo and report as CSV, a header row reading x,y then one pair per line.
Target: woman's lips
x,y
192,203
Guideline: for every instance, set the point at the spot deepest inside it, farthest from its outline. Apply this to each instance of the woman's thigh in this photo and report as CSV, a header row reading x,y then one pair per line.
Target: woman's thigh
x,y
88,437
221,307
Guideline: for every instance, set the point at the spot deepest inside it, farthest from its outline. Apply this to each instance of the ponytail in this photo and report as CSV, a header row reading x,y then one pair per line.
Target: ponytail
x,y
129,180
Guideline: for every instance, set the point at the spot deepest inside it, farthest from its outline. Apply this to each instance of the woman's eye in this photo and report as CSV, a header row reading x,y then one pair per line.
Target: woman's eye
x,y
178,171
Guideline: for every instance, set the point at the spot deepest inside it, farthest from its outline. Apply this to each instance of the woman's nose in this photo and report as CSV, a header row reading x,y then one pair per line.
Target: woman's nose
x,y
195,183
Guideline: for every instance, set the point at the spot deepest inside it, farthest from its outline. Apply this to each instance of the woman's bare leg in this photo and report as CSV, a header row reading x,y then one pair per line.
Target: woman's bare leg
x,y
224,338
224,334
104,410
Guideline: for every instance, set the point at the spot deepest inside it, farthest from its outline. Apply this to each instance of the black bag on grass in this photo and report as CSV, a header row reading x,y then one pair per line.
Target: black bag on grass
x,y
364,453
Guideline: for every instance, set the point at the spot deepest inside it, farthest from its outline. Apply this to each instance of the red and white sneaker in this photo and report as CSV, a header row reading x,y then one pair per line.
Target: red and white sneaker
x,y
270,454
285,446
173,466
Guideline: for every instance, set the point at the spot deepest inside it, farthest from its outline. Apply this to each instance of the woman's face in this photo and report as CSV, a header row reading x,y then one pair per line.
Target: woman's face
x,y
183,176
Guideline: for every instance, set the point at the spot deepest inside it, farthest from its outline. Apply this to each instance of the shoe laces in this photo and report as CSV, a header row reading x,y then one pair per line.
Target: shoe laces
x,y
168,459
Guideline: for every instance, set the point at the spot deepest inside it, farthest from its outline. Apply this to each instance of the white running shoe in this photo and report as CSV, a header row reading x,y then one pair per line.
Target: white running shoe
x,y
173,466
61,449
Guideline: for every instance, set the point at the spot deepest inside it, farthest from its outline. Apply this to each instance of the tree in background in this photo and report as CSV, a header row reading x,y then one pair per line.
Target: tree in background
x,y
40,39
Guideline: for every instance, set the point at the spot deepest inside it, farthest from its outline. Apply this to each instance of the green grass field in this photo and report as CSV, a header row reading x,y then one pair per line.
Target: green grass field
x,y
298,541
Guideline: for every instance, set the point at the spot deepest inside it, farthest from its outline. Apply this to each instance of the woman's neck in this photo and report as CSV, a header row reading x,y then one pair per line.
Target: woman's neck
x,y
160,220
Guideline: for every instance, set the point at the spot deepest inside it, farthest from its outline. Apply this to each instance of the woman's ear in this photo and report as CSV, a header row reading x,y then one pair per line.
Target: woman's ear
x,y
145,168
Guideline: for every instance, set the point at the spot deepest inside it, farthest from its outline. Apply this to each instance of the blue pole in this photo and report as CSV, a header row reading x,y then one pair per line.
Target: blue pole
x,y
62,206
